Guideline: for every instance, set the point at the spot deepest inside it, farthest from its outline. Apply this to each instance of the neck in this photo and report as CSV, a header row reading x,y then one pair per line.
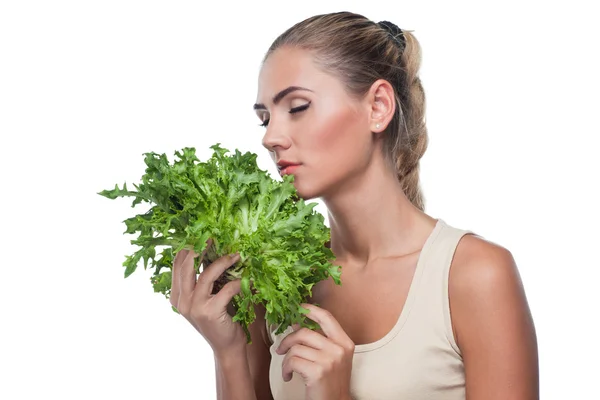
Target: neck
x,y
371,218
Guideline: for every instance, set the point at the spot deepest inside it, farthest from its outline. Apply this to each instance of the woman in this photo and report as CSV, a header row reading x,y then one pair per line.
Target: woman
x,y
425,310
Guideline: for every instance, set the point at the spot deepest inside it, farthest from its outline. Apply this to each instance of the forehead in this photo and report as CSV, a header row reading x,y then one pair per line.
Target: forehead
x,y
290,66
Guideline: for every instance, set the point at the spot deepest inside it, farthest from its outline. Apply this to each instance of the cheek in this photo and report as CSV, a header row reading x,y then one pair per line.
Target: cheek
x,y
336,147
340,139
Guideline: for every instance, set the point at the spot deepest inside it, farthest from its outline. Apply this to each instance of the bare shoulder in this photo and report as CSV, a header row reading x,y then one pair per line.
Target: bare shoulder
x,y
479,264
492,323
483,277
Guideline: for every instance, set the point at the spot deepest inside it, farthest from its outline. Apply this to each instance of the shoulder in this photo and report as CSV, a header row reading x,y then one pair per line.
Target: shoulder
x,y
491,320
483,279
480,264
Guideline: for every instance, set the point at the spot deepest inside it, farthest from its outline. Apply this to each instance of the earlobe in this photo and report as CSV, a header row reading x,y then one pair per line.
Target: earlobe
x,y
383,104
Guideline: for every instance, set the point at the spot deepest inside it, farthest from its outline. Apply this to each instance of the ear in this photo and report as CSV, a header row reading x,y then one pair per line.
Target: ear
x,y
382,104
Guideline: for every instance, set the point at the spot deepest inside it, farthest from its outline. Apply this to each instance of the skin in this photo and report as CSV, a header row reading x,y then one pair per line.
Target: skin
x,y
376,236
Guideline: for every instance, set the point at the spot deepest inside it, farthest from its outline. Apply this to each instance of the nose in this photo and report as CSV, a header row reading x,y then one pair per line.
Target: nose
x,y
275,138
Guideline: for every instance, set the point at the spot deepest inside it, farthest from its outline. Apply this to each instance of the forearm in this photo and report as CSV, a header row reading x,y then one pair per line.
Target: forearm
x,y
234,381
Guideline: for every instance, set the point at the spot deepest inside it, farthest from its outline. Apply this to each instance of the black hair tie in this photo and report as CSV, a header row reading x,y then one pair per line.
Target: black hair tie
x,y
395,32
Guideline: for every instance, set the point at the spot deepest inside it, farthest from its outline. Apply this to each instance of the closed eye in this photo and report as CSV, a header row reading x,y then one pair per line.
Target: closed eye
x,y
292,111
300,108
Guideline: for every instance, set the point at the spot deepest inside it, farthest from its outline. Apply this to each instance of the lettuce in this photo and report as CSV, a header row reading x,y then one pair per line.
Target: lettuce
x,y
228,199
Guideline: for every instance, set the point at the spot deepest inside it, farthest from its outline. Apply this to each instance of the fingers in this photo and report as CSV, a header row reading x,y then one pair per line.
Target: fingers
x,y
305,337
300,359
183,276
330,326
187,275
175,276
175,287
208,276
223,298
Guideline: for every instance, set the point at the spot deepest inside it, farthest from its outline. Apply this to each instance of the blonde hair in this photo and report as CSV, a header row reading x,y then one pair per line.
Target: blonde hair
x,y
359,51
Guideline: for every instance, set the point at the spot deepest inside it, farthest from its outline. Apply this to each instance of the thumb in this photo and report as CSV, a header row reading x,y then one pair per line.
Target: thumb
x,y
223,298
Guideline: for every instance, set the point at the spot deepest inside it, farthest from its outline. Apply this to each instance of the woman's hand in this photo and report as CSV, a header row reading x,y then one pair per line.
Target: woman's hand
x,y
205,311
323,360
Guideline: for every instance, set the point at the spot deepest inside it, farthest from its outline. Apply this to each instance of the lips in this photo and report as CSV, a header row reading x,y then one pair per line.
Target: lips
x,y
290,169
287,167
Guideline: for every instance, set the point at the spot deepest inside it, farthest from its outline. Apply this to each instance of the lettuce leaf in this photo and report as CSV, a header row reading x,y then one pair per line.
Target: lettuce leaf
x,y
228,199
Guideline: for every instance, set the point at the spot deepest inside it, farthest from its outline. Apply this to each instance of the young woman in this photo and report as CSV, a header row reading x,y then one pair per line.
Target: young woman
x,y
425,310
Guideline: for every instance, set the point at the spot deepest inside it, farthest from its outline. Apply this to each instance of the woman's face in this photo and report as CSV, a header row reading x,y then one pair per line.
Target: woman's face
x,y
311,121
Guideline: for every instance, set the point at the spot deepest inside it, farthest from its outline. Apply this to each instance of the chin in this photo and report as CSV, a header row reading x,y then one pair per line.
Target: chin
x,y
319,187
306,192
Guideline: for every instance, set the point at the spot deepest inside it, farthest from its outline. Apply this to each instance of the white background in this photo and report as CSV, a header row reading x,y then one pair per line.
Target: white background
x,y
86,87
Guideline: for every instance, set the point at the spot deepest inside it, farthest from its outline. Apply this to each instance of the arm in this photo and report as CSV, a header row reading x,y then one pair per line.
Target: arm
x,y
244,374
234,380
259,357
492,323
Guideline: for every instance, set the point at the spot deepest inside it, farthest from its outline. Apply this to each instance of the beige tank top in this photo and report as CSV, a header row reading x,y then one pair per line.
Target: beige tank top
x,y
418,359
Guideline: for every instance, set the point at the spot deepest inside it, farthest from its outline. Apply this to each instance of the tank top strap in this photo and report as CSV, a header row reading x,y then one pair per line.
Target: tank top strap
x,y
433,300
446,243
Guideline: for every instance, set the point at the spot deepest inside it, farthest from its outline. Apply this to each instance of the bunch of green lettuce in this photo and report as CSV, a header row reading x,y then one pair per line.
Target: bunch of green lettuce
x,y
228,199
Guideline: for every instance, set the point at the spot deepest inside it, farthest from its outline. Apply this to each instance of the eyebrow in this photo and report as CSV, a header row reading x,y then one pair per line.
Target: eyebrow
x,y
279,96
